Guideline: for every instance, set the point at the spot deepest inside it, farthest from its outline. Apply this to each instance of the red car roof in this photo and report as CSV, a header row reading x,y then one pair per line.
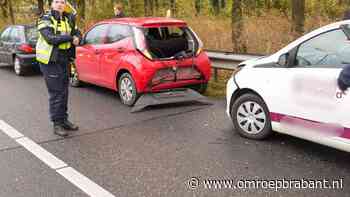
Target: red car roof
x,y
146,21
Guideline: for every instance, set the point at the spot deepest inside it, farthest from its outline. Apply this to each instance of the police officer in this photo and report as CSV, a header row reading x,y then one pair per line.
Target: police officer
x,y
57,35
118,11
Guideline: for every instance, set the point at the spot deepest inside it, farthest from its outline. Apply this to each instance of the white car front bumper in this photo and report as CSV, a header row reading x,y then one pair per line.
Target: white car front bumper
x,y
231,87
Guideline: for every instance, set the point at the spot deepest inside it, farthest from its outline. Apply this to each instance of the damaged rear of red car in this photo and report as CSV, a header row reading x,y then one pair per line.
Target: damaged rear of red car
x,y
142,55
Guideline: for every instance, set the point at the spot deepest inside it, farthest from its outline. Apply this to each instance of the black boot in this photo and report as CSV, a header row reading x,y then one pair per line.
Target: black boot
x,y
58,129
67,125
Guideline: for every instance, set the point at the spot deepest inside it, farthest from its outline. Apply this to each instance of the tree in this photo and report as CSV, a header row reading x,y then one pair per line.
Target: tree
x,y
3,5
81,9
173,7
268,4
40,7
149,7
136,8
298,16
74,3
12,16
156,2
216,6
237,27
198,6
223,4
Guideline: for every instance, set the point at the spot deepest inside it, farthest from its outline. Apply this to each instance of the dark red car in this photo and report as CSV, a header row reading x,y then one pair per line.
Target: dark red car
x,y
141,55
17,48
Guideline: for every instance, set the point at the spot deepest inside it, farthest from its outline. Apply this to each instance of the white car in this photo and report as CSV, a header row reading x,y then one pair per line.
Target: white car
x,y
295,91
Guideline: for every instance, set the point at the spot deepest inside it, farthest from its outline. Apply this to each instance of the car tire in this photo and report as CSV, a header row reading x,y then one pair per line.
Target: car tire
x,y
127,89
19,69
74,78
251,117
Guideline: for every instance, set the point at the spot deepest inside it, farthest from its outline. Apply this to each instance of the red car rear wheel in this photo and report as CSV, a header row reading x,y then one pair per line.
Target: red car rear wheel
x,y
127,89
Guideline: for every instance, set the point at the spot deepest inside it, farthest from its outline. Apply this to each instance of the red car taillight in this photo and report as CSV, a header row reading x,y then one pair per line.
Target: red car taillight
x,y
26,48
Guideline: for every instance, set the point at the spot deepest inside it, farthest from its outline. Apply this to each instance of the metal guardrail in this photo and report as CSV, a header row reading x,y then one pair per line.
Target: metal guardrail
x,y
226,60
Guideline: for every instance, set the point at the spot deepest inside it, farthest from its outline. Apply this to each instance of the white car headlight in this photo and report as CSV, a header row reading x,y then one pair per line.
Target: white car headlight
x,y
239,67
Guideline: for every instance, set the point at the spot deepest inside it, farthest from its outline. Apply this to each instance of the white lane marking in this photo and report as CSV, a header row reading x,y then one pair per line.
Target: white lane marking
x,y
84,183
69,173
42,154
10,131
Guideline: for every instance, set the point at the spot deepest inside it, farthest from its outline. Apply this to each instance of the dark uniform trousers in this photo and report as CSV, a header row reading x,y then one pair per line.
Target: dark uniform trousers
x,y
57,81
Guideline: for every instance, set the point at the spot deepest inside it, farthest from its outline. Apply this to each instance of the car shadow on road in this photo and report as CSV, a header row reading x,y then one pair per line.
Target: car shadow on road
x,y
98,90
322,152
30,72
7,69
105,92
286,144
173,105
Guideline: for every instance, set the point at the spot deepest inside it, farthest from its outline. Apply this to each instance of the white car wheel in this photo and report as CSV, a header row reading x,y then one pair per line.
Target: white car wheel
x,y
250,117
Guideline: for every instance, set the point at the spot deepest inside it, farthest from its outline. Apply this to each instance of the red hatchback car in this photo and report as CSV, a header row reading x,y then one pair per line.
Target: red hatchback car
x,y
141,55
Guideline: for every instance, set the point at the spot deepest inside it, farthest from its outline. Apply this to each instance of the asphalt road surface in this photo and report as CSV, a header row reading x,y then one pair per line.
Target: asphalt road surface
x,y
172,150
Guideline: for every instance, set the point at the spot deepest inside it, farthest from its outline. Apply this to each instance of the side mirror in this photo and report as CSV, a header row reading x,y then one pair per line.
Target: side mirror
x,y
283,60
